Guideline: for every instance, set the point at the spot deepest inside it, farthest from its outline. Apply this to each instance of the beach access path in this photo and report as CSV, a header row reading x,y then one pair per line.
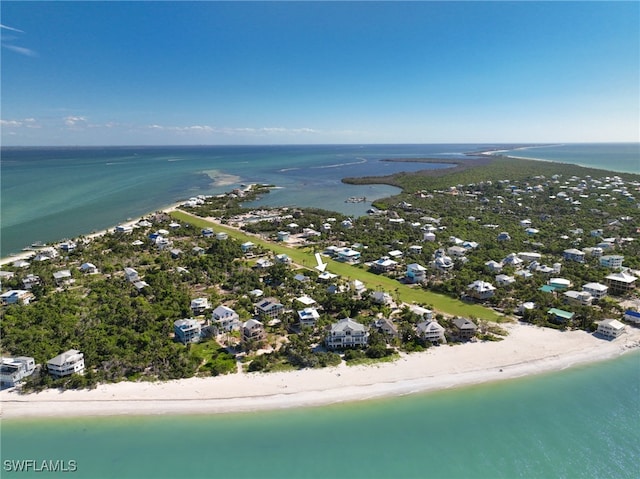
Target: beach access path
x,y
526,351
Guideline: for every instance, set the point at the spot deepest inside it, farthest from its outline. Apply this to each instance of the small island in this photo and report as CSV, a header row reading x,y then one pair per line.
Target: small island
x,y
469,275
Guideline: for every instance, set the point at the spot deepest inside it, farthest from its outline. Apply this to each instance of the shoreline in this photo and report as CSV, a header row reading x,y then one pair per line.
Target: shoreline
x,y
528,350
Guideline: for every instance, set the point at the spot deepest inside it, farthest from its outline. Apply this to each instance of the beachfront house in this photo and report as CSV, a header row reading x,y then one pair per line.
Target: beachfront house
x,y
386,327
253,331
14,370
416,273
621,283
464,329
632,316
65,364
124,229
430,331
577,298
559,315
269,308
225,319
347,333
610,328
187,330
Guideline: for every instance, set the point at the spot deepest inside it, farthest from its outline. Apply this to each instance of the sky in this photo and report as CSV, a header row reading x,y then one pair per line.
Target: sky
x,y
181,73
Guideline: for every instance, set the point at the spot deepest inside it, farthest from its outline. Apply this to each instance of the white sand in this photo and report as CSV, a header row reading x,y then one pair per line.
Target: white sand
x,y
527,350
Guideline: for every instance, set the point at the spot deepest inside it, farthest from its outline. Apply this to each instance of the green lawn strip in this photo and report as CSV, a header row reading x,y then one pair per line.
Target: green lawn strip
x,y
439,302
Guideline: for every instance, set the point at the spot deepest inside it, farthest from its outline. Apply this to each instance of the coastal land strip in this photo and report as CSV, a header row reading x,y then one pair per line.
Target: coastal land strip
x,y
528,350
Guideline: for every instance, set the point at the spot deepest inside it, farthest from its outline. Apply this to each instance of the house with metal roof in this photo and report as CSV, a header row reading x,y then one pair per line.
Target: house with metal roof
x,y
347,333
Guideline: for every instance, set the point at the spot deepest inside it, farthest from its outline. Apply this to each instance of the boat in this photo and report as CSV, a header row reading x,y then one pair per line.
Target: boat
x,y
356,199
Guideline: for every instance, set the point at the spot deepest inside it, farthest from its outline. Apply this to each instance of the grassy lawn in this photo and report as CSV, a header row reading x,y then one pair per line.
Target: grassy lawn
x,y
306,258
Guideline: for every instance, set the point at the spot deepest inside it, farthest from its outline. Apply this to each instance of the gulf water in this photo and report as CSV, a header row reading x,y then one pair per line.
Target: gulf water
x,y
583,422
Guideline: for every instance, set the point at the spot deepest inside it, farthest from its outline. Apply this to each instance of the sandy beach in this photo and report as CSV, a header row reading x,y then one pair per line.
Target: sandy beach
x,y
527,350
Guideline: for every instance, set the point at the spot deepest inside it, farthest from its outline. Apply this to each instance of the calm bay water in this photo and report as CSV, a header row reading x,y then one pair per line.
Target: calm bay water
x,y
580,423
49,194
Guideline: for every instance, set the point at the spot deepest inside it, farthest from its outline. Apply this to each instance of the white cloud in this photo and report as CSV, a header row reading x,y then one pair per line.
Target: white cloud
x,y
26,123
15,48
72,121
264,131
5,27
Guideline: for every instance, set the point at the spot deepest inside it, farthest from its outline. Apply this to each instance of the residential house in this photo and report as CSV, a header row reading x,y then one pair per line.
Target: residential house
x,y
559,283
415,249
610,328
131,275
578,298
505,280
504,236
612,261
221,236
416,273
263,263
456,251
247,246
386,327
481,290
530,256
560,315
199,306
308,316
424,313
429,236
30,281
198,251
124,229
62,277
464,329
301,278
225,319
283,236
443,263
347,333
187,330
88,268
207,232
494,266
14,370
253,330
574,254
68,246
66,364
380,297
306,300
269,308
283,258
384,265
632,316
16,296
621,283
512,259
596,290
431,331
348,255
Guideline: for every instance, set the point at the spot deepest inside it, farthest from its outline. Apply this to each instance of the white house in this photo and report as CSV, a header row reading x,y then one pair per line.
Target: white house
x,y
493,266
225,319
187,330
504,280
610,328
66,364
283,236
384,264
347,333
269,308
596,290
431,331
124,229
14,370
579,298
62,277
380,297
512,259
131,275
88,268
349,255
416,273
308,316
481,290
443,263
199,305
632,316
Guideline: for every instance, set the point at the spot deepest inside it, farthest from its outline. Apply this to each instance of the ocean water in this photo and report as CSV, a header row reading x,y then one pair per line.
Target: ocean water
x,y
622,157
583,422
48,194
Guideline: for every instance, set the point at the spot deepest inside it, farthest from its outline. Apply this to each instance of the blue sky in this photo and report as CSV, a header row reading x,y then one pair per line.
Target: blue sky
x,y
147,73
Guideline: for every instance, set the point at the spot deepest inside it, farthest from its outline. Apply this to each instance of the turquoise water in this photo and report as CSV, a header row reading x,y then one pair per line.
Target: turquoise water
x,y
48,194
623,157
583,422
